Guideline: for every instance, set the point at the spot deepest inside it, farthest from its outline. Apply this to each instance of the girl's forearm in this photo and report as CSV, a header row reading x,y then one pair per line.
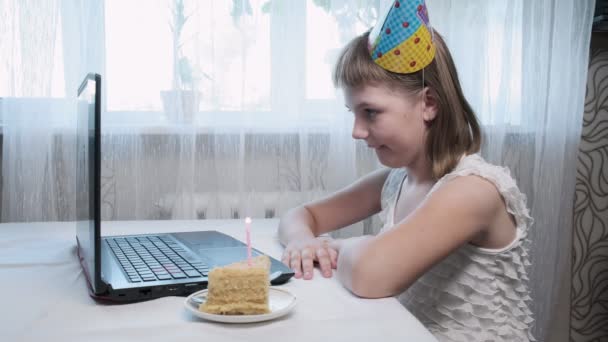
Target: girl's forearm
x,y
351,266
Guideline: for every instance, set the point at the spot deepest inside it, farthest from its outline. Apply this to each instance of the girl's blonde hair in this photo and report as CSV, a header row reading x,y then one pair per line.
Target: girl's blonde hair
x,y
454,131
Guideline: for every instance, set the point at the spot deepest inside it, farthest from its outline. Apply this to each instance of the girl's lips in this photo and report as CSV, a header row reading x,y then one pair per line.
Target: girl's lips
x,y
375,147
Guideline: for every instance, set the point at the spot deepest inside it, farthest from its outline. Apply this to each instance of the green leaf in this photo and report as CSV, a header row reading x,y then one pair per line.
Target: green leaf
x,y
324,4
185,70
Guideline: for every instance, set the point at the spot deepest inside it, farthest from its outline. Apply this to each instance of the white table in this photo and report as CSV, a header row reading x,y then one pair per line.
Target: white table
x,y
44,296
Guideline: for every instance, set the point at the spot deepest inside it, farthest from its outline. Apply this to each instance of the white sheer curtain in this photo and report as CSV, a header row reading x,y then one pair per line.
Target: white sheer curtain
x,y
270,132
45,49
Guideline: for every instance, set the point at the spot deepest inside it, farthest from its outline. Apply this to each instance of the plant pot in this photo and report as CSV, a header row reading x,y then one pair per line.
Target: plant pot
x,y
180,105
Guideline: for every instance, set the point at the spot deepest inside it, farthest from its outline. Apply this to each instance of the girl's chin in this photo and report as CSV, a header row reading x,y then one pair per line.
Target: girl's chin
x,y
386,158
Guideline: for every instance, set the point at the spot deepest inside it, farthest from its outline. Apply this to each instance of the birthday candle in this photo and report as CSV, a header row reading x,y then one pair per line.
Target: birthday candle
x,y
248,231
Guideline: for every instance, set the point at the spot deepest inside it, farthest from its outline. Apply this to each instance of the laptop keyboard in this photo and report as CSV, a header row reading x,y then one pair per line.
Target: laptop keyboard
x,y
151,258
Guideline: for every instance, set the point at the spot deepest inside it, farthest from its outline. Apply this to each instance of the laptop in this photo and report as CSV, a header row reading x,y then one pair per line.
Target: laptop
x,y
144,266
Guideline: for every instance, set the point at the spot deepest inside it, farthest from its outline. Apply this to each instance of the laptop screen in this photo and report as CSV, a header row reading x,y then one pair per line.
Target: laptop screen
x,y
87,180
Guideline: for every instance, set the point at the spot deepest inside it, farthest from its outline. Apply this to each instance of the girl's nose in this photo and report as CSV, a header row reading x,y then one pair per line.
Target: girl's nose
x,y
359,130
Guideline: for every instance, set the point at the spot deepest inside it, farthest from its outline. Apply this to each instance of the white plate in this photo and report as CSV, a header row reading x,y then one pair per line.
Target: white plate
x,y
280,302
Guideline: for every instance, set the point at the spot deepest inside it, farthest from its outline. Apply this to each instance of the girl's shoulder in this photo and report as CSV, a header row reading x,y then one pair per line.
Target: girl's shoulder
x,y
475,165
500,177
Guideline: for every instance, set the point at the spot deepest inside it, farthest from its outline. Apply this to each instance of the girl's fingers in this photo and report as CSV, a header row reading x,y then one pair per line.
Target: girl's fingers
x,y
307,263
333,257
285,258
295,263
324,261
302,261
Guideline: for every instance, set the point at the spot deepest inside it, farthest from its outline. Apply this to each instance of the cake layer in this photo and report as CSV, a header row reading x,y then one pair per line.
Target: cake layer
x,y
238,309
239,288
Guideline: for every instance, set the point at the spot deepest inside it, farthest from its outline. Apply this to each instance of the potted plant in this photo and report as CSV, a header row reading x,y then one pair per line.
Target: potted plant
x,y
181,102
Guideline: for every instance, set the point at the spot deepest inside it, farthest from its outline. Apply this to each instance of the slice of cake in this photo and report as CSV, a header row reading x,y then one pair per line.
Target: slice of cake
x,y
239,289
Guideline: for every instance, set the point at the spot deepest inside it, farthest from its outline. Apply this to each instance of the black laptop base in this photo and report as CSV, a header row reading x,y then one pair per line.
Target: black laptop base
x,y
142,267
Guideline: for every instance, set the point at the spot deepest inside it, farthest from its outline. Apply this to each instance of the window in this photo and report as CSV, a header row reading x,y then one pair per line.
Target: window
x,y
246,61
327,31
263,58
229,56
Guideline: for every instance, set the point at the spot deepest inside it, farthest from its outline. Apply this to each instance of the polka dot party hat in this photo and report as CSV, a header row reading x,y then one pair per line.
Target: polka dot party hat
x,y
402,40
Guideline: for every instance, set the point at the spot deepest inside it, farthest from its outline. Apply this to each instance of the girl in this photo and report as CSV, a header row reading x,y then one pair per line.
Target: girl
x,y
452,247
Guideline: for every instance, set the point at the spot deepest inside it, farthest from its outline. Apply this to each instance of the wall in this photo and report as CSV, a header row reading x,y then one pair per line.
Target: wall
x,y
589,291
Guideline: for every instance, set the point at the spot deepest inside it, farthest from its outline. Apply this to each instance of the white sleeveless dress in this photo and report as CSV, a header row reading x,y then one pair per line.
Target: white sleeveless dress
x,y
475,294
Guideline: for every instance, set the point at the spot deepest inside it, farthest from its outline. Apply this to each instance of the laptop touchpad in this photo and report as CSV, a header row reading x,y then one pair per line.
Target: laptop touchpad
x,y
226,255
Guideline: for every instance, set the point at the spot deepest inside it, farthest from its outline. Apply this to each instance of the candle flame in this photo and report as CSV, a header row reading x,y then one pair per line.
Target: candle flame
x,y
248,220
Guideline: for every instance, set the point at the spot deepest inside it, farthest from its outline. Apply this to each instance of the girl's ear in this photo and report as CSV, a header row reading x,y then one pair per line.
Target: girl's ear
x,y
430,105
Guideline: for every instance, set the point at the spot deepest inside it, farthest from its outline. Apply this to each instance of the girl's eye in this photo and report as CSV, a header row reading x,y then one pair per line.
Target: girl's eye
x,y
371,113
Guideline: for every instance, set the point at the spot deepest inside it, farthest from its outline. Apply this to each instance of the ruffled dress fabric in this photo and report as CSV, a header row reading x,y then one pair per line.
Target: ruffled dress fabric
x,y
475,294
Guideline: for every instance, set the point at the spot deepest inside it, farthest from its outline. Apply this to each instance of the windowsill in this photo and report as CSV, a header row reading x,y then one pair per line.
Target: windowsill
x,y
57,113
312,117
156,126
259,127
216,122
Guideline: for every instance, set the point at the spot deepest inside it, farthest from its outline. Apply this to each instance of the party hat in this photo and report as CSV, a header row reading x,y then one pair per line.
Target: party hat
x,y
402,40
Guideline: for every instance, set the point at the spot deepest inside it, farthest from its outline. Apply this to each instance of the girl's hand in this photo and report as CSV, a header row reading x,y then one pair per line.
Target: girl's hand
x,y
302,255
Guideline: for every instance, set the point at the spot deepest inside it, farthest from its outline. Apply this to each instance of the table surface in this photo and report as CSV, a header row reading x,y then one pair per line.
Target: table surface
x,y
44,296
